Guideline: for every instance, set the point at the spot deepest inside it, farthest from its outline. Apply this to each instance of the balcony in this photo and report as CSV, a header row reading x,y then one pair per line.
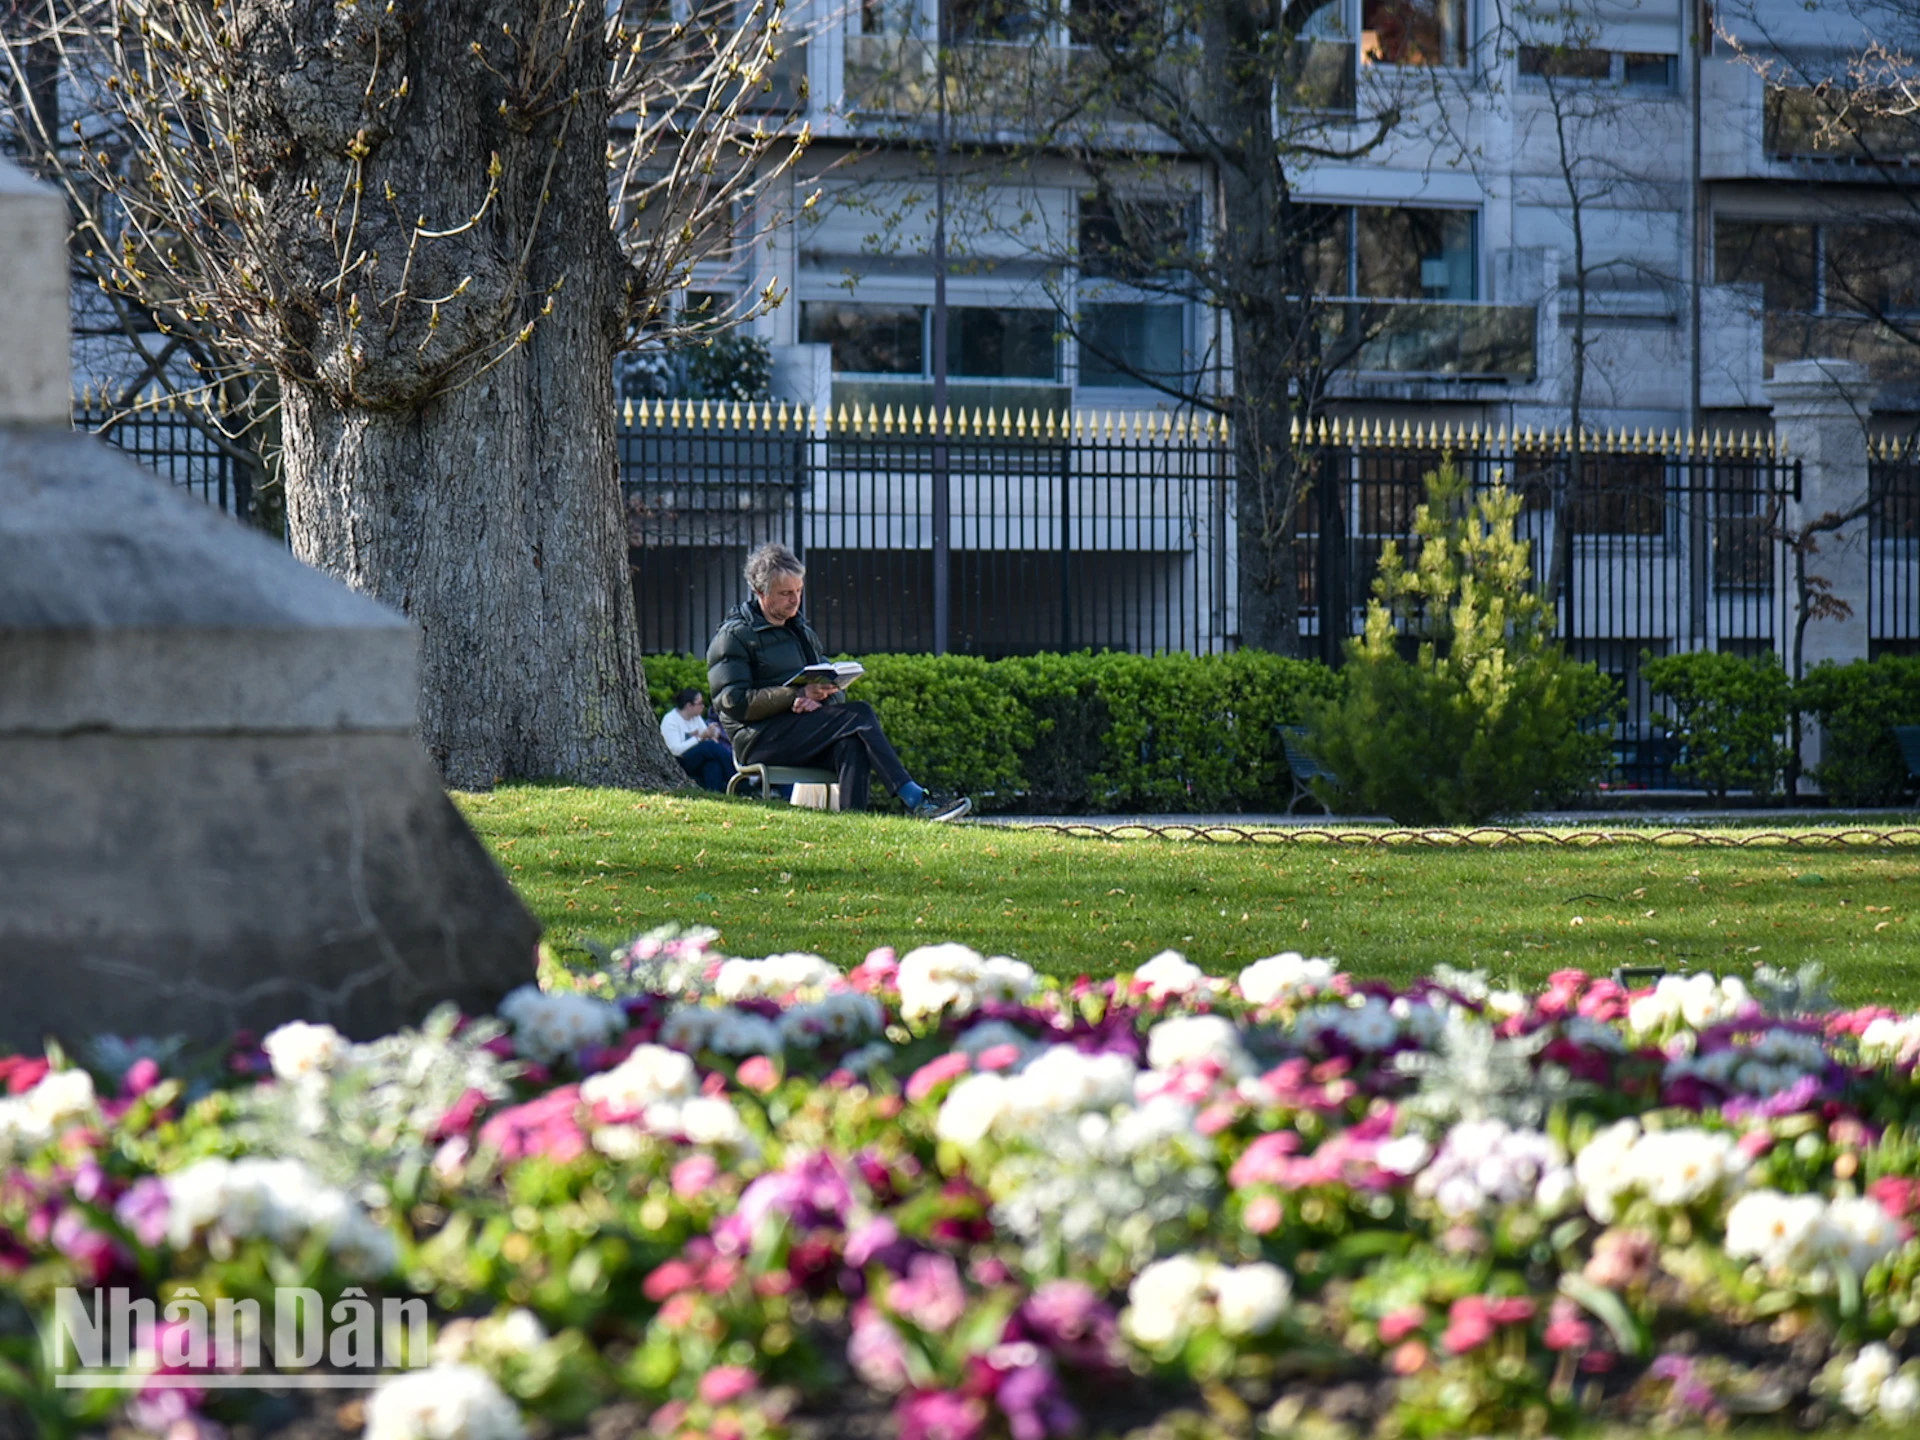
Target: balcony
x,y
1889,357
1433,339
1798,126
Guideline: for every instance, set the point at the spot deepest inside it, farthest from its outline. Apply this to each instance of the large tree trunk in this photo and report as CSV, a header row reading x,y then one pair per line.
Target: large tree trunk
x,y
457,459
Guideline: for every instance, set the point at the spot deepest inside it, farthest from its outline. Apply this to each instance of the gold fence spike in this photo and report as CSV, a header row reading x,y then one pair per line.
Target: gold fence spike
x,y
842,423
706,414
626,415
1293,431
992,428
886,421
1051,430
781,419
1446,435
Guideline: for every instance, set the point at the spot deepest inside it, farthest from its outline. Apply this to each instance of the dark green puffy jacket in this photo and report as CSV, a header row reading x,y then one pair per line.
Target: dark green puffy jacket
x,y
748,665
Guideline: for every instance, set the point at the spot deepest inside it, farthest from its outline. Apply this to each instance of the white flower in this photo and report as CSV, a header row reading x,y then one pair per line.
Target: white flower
x,y
1888,1041
280,1200
298,1049
1677,1167
737,1032
1404,1154
1167,1298
705,1120
1482,1165
777,977
650,1074
1861,1382
1603,1169
1858,1230
1250,1298
1899,1399
933,977
841,1017
1183,1039
548,1027
442,1402
686,1028
1696,1000
20,1128
61,1095
1777,1230
1170,973
1285,977
971,1108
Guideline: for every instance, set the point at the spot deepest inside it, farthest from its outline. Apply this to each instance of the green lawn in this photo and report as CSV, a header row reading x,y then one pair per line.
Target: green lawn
x,y
599,865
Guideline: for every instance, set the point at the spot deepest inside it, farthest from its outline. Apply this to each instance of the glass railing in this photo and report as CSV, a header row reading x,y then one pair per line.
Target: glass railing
x,y
1887,354
1801,125
894,75
1453,338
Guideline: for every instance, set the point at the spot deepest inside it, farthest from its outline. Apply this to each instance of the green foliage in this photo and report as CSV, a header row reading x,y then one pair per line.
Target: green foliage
x,y
1860,764
1067,734
667,675
1729,713
730,366
1489,715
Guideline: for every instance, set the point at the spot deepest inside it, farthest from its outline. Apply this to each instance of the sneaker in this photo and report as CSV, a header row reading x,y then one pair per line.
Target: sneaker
x,y
937,810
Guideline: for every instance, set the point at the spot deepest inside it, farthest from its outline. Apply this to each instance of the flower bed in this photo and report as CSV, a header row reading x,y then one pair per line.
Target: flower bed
x,y
734,1198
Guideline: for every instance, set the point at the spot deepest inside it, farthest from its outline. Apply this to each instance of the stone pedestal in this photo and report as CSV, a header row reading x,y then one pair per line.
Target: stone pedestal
x,y
213,812
1820,410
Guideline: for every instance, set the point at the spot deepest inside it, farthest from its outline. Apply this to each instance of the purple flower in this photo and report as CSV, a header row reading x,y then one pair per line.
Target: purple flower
x,y
1029,1396
93,1252
143,1210
1071,1320
813,1193
1800,1095
867,1243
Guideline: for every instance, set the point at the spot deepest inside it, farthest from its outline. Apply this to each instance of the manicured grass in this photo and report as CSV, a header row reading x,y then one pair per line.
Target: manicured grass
x,y
597,866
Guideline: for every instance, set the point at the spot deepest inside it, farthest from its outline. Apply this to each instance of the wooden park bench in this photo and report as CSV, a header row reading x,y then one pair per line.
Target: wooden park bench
x,y
1303,767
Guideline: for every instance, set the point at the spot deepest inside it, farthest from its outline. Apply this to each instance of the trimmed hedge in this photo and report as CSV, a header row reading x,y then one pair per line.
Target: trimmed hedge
x,y
1080,733
1860,763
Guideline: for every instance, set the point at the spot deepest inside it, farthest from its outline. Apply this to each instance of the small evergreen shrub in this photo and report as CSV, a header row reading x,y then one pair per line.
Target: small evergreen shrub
x,y
1860,763
1487,715
1729,713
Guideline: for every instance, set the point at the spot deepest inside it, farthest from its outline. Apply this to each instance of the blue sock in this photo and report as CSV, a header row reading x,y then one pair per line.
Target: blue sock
x,y
911,794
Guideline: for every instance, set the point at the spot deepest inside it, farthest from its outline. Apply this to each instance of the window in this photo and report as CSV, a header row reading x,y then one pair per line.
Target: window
x,y
1382,253
1633,69
1413,32
868,339
1120,345
1563,63
1858,269
1130,239
983,342
994,20
990,344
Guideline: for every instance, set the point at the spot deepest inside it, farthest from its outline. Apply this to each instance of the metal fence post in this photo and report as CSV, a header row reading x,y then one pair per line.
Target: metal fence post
x,y
1066,545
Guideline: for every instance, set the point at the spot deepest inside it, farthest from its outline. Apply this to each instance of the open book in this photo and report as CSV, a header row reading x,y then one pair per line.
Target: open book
x,y
830,672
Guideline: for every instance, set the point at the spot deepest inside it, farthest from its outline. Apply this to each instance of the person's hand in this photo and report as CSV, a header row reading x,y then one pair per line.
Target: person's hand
x,y
804,703
820,693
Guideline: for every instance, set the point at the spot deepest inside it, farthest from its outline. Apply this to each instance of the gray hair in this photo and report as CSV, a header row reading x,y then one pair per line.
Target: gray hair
x,y
769,561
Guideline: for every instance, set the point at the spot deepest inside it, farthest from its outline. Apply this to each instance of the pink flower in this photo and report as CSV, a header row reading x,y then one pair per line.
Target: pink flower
x,y
1469,1326
693,1175
1401,1323
758,1074
726,1383
876,972
935,1073
1410,1358
141,1076
876,1352
940,1415
1262,1215
1264,1160
1216,1117
1755,1143
460,1117
1620,1258
669,1279
999,1057
1510,1310
930,1295
1566,1330
666,1420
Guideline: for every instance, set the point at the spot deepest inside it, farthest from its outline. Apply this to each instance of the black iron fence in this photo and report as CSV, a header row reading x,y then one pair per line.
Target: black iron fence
x,y
1893,548
1053,535
172,439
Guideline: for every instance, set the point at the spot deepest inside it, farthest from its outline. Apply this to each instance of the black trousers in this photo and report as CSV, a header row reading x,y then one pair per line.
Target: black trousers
x,y
846,738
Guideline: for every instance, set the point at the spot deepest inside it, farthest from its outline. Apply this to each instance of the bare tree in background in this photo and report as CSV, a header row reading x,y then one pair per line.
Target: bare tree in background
x,y
401,215
1186,124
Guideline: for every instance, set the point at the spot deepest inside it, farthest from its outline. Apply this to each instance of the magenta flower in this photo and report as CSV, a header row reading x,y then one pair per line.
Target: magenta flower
x,y
940,1415
1029,1396
143,1210
1396,1326
876,1352
1070,1319
936,1072
693,1175
546,1126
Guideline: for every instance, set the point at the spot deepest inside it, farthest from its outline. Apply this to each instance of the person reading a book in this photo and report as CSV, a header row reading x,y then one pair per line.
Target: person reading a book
x,y
699,744
783,703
